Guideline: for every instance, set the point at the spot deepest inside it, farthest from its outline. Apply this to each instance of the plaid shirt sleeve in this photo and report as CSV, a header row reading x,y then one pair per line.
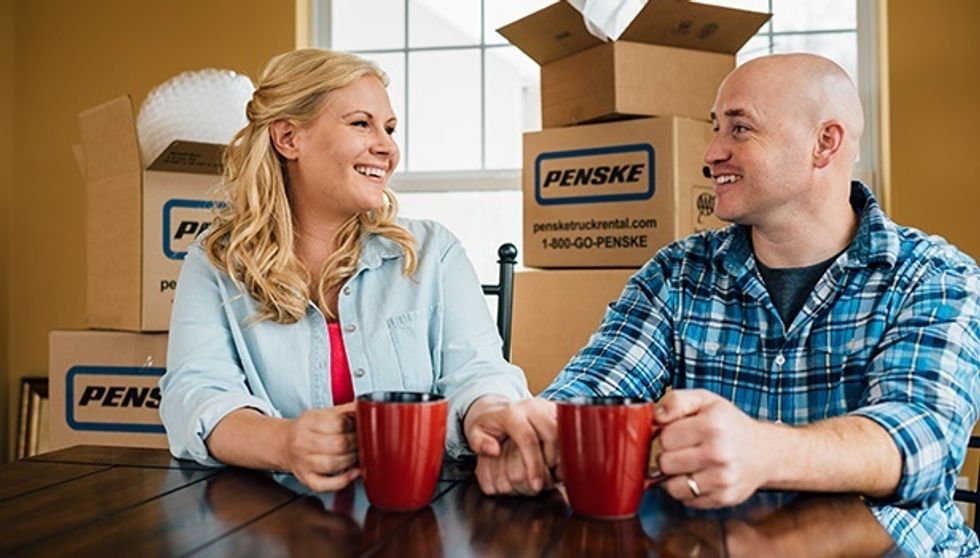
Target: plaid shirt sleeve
x,y
923,385
631,353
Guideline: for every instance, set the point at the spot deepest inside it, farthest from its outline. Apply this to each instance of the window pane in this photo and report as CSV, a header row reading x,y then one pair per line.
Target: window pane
x,y
354,27
443,23
839,47
513,105
482,231
756,47
794,15
751,5
444,110
393,64
501,12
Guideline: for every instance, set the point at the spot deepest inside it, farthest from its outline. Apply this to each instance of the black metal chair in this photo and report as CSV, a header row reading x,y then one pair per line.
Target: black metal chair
x,y
972,496
504,291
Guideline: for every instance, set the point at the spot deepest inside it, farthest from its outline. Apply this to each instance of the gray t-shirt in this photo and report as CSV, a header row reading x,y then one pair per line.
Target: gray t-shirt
x,y
789,287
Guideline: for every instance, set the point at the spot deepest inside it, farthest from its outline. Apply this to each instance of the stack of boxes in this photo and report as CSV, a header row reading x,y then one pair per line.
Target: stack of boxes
x,y
616,174
103,381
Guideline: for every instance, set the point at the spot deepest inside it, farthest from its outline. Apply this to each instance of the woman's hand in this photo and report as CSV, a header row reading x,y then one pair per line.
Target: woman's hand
x,y
531,428
321,448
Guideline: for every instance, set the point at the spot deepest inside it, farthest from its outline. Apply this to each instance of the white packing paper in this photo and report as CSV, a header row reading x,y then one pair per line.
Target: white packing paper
x,y
607,19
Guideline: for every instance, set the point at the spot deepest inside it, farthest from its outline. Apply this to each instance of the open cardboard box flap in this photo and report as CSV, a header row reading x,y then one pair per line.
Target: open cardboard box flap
x,y
110,145
558,30
109,141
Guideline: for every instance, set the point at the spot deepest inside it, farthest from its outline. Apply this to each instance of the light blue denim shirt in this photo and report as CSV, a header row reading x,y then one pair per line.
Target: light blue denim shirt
x,y
428,332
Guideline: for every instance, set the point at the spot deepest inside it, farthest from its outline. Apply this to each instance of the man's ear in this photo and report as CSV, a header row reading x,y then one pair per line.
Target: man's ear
x,y
830,140
283,135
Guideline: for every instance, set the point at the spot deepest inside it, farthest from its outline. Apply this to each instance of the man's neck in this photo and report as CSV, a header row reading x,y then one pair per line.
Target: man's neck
x,y
806,239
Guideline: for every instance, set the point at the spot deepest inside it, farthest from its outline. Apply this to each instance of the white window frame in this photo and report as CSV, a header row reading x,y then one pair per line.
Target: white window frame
x,y
873,149
434,181
871,167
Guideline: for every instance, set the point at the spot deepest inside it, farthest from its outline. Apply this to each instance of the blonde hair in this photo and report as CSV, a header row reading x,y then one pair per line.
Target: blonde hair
x,y
252,236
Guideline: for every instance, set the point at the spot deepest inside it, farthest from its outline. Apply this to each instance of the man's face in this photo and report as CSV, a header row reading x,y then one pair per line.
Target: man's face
x,y
761,154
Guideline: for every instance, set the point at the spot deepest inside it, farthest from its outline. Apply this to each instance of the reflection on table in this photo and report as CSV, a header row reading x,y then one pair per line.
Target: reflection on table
x,y
97,501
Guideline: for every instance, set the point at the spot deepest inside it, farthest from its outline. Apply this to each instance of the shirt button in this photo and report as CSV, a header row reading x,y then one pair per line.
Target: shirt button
x,y
780,360
359,373
351,328
347,291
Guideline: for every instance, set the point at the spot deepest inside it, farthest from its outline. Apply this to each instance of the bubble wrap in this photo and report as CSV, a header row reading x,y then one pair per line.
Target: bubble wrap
x,y
204,105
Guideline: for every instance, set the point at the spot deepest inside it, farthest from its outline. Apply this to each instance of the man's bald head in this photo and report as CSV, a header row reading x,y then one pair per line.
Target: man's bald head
x,y
787,129
806,86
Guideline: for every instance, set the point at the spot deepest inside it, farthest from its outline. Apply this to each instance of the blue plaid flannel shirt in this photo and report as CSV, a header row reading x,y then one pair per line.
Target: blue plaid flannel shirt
x,y
891,332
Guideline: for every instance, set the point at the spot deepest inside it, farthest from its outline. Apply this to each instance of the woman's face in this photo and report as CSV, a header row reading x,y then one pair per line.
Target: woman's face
x,y
340,162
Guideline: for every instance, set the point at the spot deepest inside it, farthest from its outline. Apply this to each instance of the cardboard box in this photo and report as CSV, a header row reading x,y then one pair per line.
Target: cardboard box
x,y
103,388
555,313
139,222
611,195
670,60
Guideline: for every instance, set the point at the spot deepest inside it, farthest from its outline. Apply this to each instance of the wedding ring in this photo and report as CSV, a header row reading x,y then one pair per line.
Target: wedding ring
x,y
693,485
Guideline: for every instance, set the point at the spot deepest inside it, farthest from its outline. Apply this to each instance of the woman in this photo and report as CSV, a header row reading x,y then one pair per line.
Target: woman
x,y
307,290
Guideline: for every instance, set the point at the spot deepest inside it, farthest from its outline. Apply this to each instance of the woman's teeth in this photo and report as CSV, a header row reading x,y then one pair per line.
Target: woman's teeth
x,y
370,171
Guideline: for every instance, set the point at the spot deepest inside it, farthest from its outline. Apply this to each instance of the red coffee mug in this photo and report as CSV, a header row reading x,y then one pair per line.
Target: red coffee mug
x,y
604,453
401,437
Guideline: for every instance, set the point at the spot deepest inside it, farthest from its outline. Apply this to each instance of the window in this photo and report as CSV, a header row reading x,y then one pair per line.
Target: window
x,y
464,96
842,30
462,93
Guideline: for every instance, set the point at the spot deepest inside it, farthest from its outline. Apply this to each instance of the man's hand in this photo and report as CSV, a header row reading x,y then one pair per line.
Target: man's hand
x,y
531,429
715,454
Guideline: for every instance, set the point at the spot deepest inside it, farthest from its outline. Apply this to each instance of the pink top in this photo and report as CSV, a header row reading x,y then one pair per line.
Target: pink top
x,y
341,385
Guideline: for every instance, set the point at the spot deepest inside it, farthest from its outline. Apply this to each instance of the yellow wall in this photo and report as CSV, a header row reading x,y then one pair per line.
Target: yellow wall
x,y
6,186
934,55
69,56
59,57
934,85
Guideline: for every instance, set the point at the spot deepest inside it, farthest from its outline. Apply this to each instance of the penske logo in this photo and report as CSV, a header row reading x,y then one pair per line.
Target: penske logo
x,y
601,174
113,399
183,220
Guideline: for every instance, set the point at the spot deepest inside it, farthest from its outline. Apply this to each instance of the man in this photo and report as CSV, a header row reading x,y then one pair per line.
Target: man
x,y
813,345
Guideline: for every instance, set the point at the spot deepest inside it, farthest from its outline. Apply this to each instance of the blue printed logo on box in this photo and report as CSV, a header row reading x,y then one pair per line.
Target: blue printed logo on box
x,y
612,173
183,221
100,389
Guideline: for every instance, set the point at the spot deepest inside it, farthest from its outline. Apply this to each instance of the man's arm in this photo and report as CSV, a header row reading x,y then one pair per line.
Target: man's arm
x,y
842,454
730,455
905,443
923,384
630,354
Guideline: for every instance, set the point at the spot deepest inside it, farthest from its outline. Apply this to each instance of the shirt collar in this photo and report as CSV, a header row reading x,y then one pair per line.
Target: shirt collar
x,y
734,253
375,249
875,243
877,239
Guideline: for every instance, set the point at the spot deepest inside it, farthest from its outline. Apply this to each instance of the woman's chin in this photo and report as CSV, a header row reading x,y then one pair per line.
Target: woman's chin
x,y
372,205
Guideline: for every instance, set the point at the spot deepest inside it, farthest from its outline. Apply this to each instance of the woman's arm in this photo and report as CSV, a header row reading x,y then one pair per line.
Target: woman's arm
x,y
319,447
472,360
213,415
205,380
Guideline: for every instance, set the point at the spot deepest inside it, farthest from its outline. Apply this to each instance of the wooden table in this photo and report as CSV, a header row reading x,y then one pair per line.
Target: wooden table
x,y
101,501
